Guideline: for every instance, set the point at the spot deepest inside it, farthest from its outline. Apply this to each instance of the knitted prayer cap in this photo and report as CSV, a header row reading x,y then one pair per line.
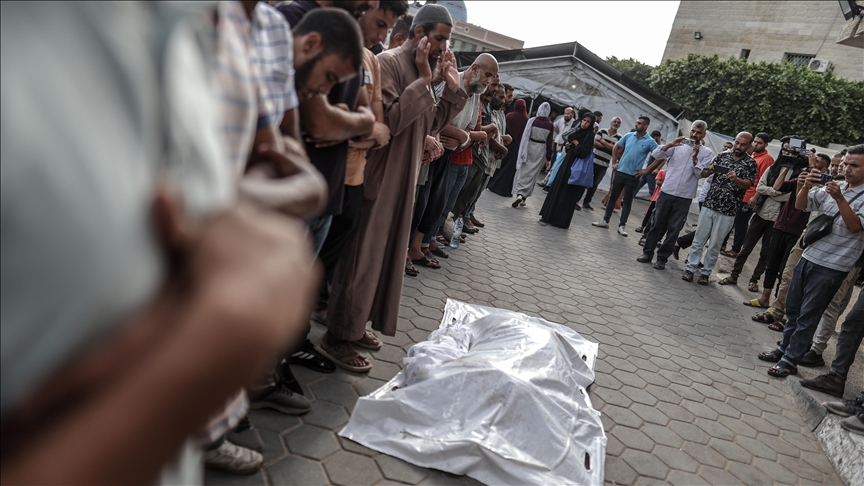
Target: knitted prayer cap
x,y
432,14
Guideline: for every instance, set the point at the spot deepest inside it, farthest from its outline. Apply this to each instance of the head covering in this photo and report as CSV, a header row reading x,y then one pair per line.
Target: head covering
x,y
583,138
516,121
432,14
541,121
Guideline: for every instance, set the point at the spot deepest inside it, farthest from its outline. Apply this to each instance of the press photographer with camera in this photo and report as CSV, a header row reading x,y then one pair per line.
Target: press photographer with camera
x,y
834,242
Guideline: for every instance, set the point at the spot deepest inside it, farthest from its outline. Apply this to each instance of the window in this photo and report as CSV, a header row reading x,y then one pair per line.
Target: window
x,y
798,59
469,47
745,54
457,46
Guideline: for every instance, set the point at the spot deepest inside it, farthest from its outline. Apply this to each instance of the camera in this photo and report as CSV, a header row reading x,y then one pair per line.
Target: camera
x,y
796,146
793,154
688,141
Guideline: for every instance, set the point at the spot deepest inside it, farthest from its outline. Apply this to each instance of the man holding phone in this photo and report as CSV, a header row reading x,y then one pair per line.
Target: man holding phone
x,y
825,262
734,173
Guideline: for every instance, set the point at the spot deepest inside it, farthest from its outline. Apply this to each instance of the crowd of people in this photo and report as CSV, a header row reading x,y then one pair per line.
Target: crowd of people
x,y
184,185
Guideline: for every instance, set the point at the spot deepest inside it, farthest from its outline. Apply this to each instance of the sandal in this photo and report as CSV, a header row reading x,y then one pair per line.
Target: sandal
x,y
765,318
703,280
341,354
755,303
753,287
440,253
425,262
778,326
773,356
729,253
409,268
369,341
781,371
310,358
728,281
431,258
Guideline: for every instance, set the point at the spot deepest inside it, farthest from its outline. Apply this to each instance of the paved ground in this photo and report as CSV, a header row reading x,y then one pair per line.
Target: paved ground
x,y
683,397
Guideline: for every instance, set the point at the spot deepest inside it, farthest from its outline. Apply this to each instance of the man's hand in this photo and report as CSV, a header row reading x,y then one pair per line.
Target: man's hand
x,y
507,139
814,178
673,143
753,200
381,135
480,137
548,165
448,69
641,172
833,189
434,147
731,175
421,60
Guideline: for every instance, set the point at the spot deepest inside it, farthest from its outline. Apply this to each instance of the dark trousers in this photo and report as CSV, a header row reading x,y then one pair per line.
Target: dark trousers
x,y
650,179
670,214
812,288
849,339
627,184
343,227
781,245
742,220
469,190
431,196
599,172
758,229
649,214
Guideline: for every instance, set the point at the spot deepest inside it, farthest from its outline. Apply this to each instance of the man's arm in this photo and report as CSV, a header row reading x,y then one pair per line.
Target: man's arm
x,y
322,122
852,221
616,155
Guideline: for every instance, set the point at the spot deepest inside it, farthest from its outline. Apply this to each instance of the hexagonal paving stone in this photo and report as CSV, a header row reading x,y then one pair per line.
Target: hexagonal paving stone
x,y
731,451
272,420
632,438
335,391
676,458
662,435
748,474
312,442
348,469
652,415
645,464
399,470
619,472
296,470
326,415
222,478
686,479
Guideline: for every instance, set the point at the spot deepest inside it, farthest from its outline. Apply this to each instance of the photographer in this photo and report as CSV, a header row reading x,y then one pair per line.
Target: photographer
x,y
827,259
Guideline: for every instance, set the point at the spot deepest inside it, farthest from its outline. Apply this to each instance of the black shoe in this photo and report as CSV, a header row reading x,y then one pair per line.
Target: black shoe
x,y
587,207
307,356
546,189
658,265
811,359
687,276
645,258
827,383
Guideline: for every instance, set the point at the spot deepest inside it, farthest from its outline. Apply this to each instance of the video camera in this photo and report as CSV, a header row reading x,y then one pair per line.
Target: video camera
x,y
793,153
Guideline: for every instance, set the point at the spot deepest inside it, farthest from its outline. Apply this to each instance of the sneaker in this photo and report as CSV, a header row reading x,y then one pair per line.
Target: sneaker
x,y
658,265
811,358
600,224
846,408
587,207
688,276
517,201
622,231
827,383
233,459
854,424
245,435
282,399
645,258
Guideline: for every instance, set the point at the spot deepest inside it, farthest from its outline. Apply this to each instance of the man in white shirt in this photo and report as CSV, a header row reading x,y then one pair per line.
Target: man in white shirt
x,y
686,163
561,126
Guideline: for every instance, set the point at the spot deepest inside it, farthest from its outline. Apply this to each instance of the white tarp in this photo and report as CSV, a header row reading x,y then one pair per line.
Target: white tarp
x,y
492,394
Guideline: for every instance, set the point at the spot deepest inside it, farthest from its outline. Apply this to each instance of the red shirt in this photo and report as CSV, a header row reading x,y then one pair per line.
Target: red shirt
x,y
464,157
763,161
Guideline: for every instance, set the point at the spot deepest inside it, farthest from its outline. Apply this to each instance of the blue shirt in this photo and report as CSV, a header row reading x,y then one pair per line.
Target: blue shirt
x,y
636,150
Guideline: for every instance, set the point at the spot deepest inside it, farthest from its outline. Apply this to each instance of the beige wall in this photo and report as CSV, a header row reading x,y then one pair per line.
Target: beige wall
x,y
768,28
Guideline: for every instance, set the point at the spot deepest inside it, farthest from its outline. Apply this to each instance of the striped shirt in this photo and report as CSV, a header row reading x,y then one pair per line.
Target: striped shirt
x,y
842,248
601,155
242,94
274,53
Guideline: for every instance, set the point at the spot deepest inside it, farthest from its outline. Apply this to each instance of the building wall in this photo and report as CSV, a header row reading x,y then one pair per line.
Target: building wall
x,y
769,29
467,37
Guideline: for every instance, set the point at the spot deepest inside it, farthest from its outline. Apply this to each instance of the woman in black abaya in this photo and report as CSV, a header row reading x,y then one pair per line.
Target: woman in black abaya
x,y
561,202
502,182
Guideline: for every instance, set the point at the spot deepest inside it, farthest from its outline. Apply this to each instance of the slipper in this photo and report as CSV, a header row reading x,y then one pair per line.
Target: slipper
x,y
780,371
425,262
369,341
310,358
773,356
431,258
342,351
755,303
728,281
409,268
729,253
778,326
753,287
766,318
440,253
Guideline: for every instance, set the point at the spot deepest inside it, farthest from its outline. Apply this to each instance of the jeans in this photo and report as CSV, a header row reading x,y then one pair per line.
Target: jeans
x,y
430,198
849,341
828,322
651,180
742,220
456,180
621,183
759,228
712,226
670,214
466,196
319,227
484,181
812,288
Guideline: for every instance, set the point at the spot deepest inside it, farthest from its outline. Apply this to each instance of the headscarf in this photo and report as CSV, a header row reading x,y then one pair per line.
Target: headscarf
x,y
541,121
516,121
584,136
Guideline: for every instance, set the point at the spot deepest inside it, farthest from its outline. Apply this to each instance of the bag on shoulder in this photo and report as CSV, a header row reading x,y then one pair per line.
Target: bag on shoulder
x,y
821,226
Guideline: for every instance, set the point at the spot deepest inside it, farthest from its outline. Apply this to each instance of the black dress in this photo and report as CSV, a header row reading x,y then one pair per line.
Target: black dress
x,y
559,205
502,182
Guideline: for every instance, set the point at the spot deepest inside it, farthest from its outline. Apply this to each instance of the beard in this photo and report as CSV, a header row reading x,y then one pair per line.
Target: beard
x,y
302,73
474,86
433,65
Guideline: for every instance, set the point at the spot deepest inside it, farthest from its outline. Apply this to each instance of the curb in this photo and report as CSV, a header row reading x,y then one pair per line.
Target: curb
x,y
844,449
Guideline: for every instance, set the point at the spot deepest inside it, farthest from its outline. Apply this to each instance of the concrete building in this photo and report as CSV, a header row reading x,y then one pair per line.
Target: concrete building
x,y
773,31
467,37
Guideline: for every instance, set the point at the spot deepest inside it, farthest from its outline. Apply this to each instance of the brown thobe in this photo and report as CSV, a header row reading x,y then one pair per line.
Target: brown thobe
x,y
367,285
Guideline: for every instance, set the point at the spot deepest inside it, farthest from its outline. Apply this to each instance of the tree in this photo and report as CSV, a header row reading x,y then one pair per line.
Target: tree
x,y
637,70
779,99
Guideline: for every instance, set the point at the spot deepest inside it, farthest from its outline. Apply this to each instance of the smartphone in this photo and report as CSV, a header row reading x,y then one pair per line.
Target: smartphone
x,y
720,169
826,178
688,141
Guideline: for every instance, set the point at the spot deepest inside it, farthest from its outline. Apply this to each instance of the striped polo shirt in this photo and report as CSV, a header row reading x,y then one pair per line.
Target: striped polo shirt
x,y
842,248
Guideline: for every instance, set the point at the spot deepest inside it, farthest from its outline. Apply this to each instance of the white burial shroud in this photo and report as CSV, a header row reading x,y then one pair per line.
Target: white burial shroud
x,y
492,394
